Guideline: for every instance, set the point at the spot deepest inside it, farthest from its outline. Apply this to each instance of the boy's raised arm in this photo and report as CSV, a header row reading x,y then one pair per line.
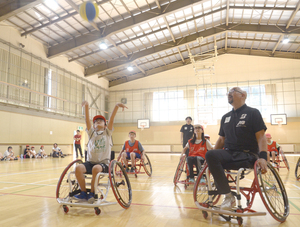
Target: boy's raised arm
x,y
113,114
86,106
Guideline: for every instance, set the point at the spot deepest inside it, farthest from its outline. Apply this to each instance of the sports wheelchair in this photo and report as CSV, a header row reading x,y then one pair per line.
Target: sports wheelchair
x,y
268,185
117,179
139,163
297,170
279,158
183,168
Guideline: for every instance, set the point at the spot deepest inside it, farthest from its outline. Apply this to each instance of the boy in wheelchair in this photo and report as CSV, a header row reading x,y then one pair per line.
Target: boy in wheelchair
x,y
98,152
273,149
131,150
198,146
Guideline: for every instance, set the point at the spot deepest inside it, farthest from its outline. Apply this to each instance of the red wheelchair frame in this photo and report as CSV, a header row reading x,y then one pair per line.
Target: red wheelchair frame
x,y
269,186
279,158
182,167
117,179
139,163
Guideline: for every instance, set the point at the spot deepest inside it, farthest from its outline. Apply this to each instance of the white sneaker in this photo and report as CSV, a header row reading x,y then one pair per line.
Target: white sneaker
x,y
228,203
273,164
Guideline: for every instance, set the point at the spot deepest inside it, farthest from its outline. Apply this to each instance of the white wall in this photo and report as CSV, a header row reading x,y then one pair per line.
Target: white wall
x,y
12,35
228,68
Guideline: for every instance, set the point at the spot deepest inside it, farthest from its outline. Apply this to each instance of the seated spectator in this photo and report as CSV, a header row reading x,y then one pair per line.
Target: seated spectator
x,y
57,151
9,154
27,152
33,152
42,153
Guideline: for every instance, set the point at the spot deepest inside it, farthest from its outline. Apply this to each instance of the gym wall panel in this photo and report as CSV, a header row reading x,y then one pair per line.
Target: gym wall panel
x,y
20,129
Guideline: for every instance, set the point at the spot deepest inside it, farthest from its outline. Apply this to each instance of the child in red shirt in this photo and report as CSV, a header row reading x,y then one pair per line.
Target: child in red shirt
x,y
198,146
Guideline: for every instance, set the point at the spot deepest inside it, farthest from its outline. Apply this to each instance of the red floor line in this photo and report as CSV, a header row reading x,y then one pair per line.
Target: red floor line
x,y
134,204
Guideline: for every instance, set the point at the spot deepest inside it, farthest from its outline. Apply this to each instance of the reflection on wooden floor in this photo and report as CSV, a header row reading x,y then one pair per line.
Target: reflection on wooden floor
x,y
27,198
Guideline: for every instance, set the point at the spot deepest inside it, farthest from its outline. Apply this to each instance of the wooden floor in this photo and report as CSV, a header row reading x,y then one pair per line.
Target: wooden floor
x,y
27,198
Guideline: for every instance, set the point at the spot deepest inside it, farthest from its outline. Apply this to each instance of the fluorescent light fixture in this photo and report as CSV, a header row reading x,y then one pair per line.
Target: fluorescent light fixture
x,y
52,4
285,40
103,46
129,68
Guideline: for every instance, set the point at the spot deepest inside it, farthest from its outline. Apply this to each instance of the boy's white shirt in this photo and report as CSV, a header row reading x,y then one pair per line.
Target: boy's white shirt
x,y
33,151
56,149
99,146
6,153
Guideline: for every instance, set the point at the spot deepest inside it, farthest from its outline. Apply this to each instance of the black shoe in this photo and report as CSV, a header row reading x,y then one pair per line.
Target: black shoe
x,y
2,159
62,156
132,170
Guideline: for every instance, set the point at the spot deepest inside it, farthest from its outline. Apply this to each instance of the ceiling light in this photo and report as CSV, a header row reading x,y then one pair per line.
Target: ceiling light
x,y
52,4
285,40
103,46
129,68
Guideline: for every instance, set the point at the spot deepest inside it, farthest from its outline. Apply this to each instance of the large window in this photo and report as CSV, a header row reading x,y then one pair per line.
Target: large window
x,y
207,103
29,81
166,106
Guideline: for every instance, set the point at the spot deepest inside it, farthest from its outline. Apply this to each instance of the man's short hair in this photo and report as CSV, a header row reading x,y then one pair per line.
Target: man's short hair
x,y
78,130
188,118
9,147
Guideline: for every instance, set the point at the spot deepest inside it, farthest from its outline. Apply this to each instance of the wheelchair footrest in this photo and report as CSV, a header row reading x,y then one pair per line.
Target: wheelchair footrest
x,y
216,210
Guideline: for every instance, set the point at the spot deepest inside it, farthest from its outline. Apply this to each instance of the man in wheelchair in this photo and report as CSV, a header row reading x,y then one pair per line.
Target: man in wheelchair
x,y
131,150
241,142
98,152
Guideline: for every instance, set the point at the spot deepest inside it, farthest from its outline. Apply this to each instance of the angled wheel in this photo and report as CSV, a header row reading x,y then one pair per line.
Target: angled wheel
x,y
67,184
120,184
66,209
200,193
297,170
284,159
147,165
272,192
179,170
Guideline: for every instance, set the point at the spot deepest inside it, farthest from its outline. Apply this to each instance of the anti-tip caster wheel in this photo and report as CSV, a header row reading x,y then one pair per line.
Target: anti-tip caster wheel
x,y
240,220
205,214
66,209
97,211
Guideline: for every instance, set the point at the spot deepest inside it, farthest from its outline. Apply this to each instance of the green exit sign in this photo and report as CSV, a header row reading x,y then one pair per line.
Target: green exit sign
x,y
80,128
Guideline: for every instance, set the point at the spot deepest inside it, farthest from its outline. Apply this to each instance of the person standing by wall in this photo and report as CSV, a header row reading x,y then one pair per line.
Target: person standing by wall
x,y
77,139
187,131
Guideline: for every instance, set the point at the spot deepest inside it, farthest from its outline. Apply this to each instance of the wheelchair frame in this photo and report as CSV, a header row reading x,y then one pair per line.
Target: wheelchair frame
x,y
282,159
297,170
259,185
101,189
139,163
182,167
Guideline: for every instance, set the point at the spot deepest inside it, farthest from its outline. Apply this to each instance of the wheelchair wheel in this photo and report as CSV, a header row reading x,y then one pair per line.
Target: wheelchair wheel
x,y
179,170
200,191
297,170
284,159
147,165
272,192
63,186
120,184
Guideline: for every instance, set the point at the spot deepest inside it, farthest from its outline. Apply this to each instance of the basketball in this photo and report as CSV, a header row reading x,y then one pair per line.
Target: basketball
x,y
89,11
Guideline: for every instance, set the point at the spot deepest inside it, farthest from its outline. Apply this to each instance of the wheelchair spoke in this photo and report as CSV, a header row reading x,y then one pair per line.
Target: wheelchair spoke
x,y
120,184
273,193
67,183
